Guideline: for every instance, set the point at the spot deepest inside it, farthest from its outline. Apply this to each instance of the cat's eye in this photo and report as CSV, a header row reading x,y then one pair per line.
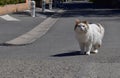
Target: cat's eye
x,y
82,26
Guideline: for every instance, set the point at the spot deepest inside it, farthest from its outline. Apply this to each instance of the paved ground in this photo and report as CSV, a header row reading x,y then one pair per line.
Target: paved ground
x,y
19,23
56,54
12,29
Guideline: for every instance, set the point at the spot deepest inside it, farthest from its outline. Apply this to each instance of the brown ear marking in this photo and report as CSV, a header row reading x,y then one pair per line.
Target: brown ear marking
x,y
77,21
75,27
86,22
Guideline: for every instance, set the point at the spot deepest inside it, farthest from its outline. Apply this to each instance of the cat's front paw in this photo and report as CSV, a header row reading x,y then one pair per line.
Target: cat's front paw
x,y
95,51
87,53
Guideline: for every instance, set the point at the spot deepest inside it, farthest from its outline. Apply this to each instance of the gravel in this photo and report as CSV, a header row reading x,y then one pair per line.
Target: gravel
x,y
48,68
37,69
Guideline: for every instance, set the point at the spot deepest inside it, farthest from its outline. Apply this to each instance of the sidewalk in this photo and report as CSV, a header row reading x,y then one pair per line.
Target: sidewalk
x,y
12,29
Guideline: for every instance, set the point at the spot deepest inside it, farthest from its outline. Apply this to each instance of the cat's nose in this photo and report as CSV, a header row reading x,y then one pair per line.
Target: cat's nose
x,y
81,28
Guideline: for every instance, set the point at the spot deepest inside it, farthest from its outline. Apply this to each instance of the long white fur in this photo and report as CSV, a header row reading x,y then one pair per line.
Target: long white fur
x,y
90,40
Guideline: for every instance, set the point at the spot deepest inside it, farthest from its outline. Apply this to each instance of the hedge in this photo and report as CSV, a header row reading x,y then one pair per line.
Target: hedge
x,y
112,3
5,2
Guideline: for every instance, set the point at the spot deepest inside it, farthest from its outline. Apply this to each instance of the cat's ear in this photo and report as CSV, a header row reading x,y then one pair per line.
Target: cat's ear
x,y
77,21
86,22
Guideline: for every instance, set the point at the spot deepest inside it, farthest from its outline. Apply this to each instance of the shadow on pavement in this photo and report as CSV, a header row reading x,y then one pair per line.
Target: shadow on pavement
x,y
73,53
47,14
92,13
84,5
88,9
22,14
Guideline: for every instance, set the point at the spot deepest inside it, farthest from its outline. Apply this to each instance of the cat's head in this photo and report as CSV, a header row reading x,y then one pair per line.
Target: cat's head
x,y
81,26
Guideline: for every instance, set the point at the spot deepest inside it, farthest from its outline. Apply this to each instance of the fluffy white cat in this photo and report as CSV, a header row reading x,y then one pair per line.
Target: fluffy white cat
x,y
89,36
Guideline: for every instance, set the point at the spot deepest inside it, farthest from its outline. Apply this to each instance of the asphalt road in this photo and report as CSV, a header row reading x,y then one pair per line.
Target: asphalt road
x,y
56,54
13,29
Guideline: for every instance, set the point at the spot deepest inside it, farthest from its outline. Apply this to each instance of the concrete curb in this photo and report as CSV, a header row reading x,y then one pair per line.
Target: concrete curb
x,y
36,32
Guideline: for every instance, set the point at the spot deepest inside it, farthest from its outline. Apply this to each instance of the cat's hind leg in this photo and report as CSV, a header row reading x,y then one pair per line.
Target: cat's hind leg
x,y
82,47
95,48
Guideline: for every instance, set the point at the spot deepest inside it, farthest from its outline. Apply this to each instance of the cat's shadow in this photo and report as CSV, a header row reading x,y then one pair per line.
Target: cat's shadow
x,y
67,54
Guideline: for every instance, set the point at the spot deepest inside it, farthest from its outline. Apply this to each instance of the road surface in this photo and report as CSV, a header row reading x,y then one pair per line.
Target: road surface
x,y
56,54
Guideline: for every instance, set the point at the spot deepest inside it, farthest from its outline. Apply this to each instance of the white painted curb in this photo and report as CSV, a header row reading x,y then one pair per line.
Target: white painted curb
x,y
9,18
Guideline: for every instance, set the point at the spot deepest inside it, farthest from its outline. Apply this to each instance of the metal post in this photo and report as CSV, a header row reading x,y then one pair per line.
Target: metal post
x,y
43,5
66,0
33,8
50,4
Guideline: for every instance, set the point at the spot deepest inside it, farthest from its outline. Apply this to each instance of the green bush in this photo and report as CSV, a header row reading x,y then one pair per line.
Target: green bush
x,y
5,2
22,1
2,2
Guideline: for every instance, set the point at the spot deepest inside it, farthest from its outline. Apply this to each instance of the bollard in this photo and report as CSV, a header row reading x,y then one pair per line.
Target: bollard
x,y
43,5
50,4
33,4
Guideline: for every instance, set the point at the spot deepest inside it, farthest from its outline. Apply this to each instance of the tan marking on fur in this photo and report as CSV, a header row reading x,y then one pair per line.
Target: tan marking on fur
x,y
85,22
99,25
77,21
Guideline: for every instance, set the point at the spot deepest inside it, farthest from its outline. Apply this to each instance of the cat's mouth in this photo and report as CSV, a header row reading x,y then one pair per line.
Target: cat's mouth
x,y
83,29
